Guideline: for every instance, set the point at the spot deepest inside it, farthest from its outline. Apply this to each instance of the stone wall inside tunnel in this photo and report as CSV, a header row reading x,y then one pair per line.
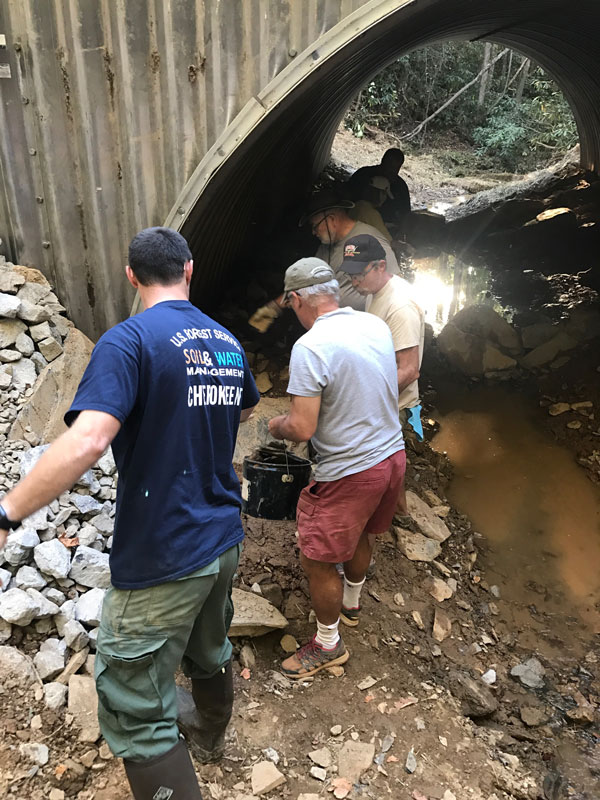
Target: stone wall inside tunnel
x,y
221,112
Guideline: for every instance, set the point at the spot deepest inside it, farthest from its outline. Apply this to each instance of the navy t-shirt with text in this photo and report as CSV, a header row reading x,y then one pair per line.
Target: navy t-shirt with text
x,y
177,381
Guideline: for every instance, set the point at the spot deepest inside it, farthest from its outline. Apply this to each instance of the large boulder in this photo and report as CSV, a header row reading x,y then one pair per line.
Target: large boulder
x,y
485,323
547,352
463,350
478,341
54,391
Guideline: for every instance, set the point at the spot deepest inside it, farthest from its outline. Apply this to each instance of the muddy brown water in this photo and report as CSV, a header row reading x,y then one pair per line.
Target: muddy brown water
x,y
536,508
539,515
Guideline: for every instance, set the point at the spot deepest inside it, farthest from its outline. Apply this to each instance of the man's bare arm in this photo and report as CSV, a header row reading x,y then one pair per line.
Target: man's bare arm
x,y
247,413
407,365
300,423
61,465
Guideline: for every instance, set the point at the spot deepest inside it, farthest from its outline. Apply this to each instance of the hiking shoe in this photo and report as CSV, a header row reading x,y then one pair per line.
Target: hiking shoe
x,y
350,616
313,658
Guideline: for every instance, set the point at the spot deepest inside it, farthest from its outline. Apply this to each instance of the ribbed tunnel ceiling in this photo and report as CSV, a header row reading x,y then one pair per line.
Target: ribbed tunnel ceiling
x,y
259,172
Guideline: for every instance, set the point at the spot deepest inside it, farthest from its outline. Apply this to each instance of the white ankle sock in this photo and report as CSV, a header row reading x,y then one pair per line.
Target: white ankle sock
x,y
327,635
352,593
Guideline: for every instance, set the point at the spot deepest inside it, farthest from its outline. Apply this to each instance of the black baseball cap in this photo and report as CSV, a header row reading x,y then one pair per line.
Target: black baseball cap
x,y
359,252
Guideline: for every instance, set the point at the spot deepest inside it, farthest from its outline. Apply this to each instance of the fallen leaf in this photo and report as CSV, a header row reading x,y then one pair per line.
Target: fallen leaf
x,y
245,673
72,542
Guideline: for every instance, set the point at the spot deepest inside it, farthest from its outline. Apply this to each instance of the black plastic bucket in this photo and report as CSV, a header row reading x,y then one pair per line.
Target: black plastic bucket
x,y
272,481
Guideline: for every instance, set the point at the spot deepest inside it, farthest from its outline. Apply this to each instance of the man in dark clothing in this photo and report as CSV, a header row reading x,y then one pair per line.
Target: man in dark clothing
x,y
396,208
168,389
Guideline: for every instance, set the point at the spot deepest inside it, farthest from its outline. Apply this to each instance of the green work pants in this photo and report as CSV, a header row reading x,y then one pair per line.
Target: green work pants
x,y
145,634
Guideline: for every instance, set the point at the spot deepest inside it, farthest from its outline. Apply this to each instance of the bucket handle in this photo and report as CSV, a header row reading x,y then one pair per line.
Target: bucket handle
x,y
287,478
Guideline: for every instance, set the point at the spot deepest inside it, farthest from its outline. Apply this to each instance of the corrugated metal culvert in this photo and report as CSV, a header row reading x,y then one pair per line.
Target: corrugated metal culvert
x,y
114,112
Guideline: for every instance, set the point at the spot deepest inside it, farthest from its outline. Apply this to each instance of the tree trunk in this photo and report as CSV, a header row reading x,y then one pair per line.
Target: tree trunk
x,y
523,80
485,74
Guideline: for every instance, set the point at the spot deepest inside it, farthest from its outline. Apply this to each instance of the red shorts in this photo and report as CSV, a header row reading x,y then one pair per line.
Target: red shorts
x,y
332,515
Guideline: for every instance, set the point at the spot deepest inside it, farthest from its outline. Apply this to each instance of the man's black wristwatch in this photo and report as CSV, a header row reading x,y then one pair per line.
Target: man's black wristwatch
x,y
7,524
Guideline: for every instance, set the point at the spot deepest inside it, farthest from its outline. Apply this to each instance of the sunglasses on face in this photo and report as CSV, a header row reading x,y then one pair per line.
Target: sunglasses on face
x,y
362,275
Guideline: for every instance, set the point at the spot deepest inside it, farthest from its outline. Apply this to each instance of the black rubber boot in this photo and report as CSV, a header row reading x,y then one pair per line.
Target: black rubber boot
x,y
204,715
167,777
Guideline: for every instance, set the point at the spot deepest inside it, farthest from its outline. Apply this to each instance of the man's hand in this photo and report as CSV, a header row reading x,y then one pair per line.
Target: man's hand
x,y
275,426
301,423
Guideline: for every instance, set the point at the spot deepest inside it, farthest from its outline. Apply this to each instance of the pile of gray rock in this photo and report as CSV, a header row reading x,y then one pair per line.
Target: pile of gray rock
x,y
480,342
54,569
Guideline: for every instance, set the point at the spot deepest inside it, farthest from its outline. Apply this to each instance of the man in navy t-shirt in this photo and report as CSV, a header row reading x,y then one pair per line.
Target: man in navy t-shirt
x,y
168,389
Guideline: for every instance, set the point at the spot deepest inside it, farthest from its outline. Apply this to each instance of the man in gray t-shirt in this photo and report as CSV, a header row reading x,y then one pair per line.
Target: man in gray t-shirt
x,y
344,391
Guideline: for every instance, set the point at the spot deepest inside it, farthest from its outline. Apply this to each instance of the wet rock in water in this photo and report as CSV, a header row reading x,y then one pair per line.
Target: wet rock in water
x,y
355,758
475,698
415,546
253,615
426,518
13,663
485,323
265,777
495,360
530,673
547,352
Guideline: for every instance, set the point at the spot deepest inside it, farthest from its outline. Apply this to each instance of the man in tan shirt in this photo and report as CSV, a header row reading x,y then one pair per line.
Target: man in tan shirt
x,y
389,298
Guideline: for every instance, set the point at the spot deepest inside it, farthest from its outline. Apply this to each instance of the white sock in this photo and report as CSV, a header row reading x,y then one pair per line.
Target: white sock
x,y
352,593
327,635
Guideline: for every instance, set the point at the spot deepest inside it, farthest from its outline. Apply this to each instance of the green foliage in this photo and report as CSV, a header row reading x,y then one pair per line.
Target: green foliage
x,y
523,122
